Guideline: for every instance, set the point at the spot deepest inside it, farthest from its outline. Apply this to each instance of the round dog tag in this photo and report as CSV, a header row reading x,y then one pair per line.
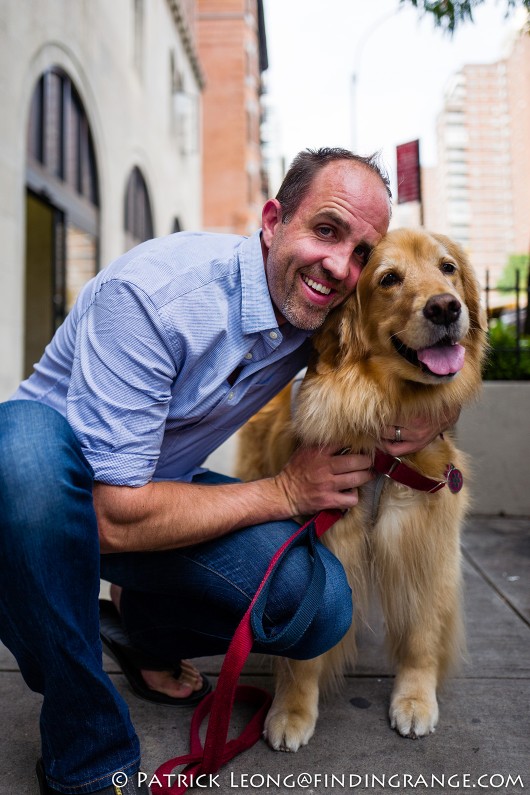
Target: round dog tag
x,y
455,479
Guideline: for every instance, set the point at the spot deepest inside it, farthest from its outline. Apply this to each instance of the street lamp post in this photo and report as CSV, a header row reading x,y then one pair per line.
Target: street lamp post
x,y
355,74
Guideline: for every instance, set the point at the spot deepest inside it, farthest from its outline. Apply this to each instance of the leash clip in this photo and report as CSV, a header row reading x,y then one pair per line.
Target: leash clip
x,y
393,466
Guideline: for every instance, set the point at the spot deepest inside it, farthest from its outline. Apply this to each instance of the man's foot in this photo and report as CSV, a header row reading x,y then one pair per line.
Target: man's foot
x,y
180,687
188,681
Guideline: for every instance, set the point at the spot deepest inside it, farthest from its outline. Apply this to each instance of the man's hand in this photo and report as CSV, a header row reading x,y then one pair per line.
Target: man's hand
x,y
317,478
415,435
168,515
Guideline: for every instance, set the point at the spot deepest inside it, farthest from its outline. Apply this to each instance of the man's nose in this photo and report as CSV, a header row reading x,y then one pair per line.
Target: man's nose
x,y
338,265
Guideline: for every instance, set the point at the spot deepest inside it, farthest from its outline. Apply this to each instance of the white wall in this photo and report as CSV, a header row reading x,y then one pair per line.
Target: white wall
x,y
131,115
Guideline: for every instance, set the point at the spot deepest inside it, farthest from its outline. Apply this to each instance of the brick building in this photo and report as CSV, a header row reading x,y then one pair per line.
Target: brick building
x,y
233,54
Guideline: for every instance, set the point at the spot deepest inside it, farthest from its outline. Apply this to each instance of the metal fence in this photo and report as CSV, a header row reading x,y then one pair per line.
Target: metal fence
x,y
509,357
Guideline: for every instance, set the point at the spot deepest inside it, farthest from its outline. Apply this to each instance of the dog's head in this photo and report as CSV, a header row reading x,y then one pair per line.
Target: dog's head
x,y
415,315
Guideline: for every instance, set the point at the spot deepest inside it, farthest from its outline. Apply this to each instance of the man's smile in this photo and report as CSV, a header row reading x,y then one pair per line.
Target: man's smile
x,y
319,292
318,286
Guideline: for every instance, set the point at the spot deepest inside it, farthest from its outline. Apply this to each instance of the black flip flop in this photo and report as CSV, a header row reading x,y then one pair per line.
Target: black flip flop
x,y
117,644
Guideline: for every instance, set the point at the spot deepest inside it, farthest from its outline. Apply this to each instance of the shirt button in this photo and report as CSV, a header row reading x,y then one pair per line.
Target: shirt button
x,y
248,356
273,335
230,396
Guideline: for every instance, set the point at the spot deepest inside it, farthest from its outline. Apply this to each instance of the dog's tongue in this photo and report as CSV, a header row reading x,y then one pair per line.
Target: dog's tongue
x,y
444,359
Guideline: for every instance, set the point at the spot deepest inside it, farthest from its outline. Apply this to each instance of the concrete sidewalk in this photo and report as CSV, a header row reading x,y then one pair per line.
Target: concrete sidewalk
x,y
483,737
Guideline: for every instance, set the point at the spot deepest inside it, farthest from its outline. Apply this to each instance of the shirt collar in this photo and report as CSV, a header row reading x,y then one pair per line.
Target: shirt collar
x,y
257,310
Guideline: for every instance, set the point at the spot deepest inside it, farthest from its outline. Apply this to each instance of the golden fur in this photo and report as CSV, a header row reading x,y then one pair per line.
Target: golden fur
x,y
356,384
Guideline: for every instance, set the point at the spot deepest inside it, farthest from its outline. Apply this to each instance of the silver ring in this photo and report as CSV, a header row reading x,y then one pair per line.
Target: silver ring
x,y
397,435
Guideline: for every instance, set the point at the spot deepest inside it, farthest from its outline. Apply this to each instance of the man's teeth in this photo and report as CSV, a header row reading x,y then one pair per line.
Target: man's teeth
x,y
316,286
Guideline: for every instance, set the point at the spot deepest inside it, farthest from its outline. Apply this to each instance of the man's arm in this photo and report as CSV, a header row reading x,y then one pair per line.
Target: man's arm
x,y
165,515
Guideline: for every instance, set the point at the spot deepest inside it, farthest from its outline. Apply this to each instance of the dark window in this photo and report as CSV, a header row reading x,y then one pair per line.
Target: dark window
x,y
35,144
138,218
59,135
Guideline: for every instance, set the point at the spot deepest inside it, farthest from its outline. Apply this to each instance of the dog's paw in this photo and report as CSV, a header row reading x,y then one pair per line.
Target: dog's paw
x,y
414,717
288,731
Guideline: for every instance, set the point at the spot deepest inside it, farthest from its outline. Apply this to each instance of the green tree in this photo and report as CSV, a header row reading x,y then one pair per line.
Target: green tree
x,y
507,282
449,14
516,262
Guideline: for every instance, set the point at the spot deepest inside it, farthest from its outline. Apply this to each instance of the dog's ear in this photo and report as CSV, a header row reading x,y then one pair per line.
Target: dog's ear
x,y
353,341
342,335
326,342
477,313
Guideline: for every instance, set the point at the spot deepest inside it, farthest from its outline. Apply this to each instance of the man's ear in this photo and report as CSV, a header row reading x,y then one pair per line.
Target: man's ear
x,y
271,216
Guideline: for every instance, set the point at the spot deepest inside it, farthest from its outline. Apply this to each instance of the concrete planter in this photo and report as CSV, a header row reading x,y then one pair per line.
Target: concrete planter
x,y
496,434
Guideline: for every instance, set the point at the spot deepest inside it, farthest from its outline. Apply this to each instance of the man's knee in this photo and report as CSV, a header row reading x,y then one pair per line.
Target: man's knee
x,y
333,613
40,459
333,617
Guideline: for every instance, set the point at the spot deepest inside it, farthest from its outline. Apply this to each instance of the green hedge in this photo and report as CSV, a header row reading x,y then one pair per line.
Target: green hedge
x,y
505,362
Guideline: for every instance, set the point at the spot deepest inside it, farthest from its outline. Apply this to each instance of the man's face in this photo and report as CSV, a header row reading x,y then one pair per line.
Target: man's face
x,y
313,261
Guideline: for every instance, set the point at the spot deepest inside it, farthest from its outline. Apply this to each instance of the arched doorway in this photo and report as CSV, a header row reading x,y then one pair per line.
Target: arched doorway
x,y
62,208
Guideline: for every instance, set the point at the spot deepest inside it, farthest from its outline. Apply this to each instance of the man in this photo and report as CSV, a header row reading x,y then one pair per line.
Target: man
x,y
166,352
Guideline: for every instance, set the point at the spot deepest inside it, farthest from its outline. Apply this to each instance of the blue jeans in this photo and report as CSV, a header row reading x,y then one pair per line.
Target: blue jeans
x,y
176,604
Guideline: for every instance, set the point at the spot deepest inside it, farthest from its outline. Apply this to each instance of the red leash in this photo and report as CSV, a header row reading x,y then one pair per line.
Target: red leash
x,y
217,751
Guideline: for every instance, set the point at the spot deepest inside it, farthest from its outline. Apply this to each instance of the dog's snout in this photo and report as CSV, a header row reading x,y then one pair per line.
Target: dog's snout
x,y
442,309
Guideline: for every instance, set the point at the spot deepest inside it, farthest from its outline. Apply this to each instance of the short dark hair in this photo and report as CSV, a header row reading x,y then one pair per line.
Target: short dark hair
x,y
308,163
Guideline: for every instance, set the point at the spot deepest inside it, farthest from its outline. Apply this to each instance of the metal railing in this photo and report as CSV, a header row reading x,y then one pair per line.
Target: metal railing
x,y
509,356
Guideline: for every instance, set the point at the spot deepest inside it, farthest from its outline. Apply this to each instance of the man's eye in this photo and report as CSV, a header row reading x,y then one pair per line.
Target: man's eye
x,y
363,252
325,231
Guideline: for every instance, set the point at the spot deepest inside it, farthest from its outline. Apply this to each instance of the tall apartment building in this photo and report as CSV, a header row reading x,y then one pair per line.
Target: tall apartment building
x,y
479,192
233,53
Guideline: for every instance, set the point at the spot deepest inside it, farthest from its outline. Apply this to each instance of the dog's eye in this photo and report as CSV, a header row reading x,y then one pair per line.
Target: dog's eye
x,y
389,279
448,267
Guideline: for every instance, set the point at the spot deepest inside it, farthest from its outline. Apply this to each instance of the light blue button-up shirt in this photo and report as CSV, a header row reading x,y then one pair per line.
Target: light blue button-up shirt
x,y
140,365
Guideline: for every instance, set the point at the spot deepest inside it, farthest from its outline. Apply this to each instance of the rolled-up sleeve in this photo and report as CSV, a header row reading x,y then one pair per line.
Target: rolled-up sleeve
x,y
121,382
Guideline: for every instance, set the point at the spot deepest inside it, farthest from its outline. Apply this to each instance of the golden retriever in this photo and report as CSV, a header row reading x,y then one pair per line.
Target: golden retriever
x,y
410,342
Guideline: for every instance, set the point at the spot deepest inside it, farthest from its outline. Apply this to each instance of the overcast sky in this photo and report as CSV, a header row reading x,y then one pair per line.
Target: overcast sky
x,y
401,61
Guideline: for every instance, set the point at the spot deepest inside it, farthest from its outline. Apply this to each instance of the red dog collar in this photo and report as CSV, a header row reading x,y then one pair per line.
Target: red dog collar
x,y
394,468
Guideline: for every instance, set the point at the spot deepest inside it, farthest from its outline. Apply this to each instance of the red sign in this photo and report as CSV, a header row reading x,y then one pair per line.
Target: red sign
x,y
408,172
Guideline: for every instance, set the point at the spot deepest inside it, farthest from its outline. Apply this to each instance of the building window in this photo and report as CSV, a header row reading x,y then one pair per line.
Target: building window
x,y
62,208
138,217
59,136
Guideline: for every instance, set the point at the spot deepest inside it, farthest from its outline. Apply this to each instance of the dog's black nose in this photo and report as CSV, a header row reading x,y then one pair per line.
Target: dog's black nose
x,y
442,309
